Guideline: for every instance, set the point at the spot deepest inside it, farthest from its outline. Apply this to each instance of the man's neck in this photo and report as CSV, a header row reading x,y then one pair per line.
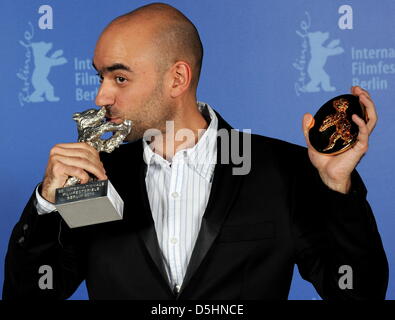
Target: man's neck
x,y
183,133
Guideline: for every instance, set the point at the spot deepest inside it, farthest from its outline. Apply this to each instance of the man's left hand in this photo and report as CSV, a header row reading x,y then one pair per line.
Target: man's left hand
x,y
335,171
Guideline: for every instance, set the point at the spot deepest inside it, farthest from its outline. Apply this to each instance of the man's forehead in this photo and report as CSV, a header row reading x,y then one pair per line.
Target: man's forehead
x,y
118,54
124,43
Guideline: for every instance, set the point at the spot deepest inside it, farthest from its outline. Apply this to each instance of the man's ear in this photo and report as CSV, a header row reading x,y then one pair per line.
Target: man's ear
x,y
180,77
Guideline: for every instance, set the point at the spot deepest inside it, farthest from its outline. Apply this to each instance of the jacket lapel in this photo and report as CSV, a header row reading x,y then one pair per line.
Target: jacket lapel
x,y
148,233
137,211
223,192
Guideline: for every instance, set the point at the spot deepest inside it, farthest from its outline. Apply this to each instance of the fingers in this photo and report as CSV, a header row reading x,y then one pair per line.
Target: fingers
x,y
91,165
75,148
366,100
71,159
307,124
356,90
371,113
80,155
65,171
363,136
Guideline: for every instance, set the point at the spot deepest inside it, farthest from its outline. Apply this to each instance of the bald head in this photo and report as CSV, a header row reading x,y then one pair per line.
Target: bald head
x,y
172,34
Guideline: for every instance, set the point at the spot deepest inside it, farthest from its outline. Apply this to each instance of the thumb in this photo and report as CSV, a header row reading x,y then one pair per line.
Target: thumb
x,y
307,124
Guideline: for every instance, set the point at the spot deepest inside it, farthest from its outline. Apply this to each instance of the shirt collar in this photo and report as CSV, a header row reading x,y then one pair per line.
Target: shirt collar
x,y
202,156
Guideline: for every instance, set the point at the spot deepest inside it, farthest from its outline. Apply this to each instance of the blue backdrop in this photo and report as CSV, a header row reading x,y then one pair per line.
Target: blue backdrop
x,y
266,63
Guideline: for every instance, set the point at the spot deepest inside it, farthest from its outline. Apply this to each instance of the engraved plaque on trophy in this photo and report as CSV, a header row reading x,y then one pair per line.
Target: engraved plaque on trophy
x,y
333,131
96,201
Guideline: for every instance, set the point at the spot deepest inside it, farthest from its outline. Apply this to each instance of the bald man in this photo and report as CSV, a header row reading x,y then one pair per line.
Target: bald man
x,y
194,227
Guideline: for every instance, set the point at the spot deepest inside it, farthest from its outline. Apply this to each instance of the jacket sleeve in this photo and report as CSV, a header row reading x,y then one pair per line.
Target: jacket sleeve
x,y
37,241
337,244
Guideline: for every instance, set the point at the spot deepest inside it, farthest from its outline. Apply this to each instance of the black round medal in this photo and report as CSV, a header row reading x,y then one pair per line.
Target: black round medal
x,y
334,131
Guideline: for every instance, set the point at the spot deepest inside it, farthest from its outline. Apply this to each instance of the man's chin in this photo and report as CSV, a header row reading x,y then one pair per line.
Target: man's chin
x,y
132,137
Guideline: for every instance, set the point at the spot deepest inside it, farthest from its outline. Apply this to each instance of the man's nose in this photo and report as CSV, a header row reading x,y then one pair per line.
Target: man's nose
x,y
105,96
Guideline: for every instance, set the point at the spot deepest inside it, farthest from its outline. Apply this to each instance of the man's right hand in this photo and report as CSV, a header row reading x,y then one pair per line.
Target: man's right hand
x,y
70,159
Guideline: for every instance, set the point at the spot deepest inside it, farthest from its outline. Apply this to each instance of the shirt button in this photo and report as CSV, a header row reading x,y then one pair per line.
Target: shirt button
x,y
174,240
174,195
177,288
21,240
25,227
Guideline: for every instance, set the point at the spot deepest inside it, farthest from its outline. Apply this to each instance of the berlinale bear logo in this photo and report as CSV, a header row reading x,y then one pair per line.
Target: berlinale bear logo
x,y
315,52
38,51
319,55
43,65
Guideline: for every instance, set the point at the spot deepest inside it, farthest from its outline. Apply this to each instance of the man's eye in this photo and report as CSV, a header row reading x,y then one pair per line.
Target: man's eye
x,y
120,80
100,77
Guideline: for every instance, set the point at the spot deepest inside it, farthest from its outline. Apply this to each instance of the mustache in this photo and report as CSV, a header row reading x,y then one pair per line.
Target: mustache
x,y
111,113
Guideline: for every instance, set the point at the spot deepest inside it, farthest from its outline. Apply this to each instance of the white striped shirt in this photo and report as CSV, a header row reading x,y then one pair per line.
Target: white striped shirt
x,y
178,193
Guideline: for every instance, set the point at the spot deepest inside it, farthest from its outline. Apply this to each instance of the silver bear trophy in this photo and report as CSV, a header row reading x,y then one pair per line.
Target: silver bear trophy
x,y
91,125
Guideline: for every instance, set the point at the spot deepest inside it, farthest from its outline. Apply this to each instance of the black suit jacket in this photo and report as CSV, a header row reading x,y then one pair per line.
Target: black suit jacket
x,y
256,227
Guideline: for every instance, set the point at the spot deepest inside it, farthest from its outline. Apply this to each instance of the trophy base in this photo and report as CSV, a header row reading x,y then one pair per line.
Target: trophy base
x,y
88,204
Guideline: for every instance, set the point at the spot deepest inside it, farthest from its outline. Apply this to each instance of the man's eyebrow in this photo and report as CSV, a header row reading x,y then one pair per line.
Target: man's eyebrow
x,y
114,67
117,66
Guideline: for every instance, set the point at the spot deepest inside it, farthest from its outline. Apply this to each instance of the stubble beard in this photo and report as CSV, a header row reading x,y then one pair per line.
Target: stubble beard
x,y
155,111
